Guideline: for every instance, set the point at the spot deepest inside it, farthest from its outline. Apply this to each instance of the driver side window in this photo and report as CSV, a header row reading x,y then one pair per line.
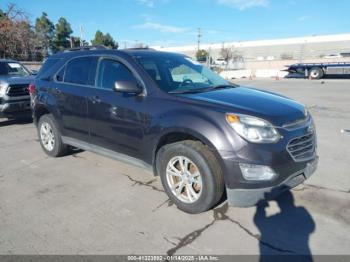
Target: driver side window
x,y
110,71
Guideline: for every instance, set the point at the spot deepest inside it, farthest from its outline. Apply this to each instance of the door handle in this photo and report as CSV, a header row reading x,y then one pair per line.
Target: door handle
x,y
95,100
57,91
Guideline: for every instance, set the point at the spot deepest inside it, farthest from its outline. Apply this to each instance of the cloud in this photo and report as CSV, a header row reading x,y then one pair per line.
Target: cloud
x,y
161,27
149,3
243,4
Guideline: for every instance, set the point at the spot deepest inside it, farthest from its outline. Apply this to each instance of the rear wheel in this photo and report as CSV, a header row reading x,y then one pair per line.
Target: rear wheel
x,y
191,176
316,73
50,137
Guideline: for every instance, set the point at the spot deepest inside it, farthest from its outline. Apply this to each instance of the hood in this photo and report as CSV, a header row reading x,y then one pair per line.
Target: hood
x,y
14,80
277,109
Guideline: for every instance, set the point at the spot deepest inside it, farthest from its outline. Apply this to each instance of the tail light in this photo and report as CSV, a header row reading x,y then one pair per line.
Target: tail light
x,y
31,89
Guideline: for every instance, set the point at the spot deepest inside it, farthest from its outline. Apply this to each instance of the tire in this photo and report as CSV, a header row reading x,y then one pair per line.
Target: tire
x,y
48,132
198,189
316,73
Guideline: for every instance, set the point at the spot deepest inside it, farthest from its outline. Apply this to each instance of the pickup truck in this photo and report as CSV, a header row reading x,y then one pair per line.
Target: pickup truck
x,y
320,70
14,94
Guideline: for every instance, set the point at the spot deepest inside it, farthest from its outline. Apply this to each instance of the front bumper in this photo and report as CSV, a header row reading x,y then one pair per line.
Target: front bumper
x,y
251,197
12,108
293,159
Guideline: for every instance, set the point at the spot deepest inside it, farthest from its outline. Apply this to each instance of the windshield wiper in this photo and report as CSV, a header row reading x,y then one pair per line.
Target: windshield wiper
x,y
212,88
222,86
188,91
200,90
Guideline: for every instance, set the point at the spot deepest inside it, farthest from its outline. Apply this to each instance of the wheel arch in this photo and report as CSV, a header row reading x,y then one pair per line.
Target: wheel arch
x,y
38,111
177,135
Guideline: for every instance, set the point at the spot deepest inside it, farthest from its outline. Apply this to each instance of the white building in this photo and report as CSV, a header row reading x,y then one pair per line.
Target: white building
x,y
298,48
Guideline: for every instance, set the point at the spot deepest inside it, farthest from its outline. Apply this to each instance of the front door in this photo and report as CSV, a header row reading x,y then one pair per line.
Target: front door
x,y
116,120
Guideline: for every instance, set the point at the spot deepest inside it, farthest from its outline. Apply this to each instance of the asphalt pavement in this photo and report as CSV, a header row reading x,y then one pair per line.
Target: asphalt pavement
x,y
88,204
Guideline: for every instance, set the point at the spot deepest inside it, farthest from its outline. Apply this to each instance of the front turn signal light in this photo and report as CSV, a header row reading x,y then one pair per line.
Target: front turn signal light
x,y
231,118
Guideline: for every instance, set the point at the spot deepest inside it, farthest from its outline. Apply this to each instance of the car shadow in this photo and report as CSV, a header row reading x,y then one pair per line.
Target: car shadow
x,y
74,151
284,236
16,121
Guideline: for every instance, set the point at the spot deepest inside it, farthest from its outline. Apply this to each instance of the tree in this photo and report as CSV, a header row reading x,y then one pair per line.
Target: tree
x,y
106,40
63,32
45,30
226,54
99,38
201,55
109,42
76,41
17,38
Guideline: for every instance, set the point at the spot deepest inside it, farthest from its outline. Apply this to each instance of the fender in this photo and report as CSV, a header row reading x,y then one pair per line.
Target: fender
x,y
204,125
194,124
46,102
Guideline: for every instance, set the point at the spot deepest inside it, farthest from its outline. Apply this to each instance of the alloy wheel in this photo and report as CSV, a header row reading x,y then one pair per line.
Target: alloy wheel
x,y
184,179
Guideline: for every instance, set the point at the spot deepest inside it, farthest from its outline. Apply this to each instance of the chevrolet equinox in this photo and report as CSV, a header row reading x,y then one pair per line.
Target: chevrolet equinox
x,y
204,136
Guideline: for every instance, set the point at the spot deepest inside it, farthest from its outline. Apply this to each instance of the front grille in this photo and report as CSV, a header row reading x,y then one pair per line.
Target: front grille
x,y
18,90
302,148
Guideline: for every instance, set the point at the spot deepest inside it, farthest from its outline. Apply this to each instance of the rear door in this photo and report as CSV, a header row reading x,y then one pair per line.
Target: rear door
x,y
72,83
116,120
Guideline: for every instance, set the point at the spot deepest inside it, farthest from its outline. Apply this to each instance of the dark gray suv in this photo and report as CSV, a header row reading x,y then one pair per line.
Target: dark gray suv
x,y
200,133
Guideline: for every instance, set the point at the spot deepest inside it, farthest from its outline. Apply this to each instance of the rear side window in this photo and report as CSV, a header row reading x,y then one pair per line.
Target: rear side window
x,y
79,70
111,71
48,65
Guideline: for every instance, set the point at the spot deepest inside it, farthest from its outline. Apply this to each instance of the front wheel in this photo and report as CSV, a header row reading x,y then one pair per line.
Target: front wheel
x,y
191,176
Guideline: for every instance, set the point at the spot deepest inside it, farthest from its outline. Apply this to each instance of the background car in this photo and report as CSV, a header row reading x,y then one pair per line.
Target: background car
x,y
14,94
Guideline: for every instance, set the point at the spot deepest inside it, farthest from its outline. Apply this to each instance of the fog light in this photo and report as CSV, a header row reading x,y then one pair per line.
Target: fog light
x,y
257,172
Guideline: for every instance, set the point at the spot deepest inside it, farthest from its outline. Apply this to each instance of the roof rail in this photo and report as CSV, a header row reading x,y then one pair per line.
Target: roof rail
x,y
85,48
139,48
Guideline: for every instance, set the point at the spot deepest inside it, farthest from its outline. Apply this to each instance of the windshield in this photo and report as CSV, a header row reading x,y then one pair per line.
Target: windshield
x,y
177,74
13,69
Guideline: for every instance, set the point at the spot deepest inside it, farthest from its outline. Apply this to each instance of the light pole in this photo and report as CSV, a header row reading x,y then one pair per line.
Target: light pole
x,y
199,35
81,35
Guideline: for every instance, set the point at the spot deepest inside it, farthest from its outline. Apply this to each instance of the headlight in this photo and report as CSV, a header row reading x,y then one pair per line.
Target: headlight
x,y
3,87
253,129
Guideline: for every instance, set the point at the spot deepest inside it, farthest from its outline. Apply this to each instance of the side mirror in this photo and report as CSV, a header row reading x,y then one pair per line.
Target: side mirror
x,y
34,72
130,87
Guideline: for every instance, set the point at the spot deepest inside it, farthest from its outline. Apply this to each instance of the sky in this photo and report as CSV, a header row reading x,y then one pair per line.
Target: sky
x,y
175,22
